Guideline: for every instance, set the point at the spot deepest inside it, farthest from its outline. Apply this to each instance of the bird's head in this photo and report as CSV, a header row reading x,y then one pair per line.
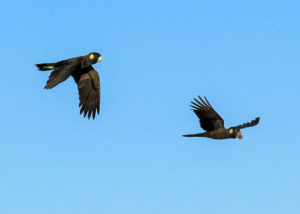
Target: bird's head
x,y
95,57
235,133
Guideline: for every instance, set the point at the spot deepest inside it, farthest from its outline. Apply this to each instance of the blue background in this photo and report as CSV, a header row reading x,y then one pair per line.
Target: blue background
x,y
157,56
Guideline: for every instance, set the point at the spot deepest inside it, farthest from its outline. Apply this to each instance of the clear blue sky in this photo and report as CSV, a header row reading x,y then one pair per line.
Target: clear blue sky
x,y
157,56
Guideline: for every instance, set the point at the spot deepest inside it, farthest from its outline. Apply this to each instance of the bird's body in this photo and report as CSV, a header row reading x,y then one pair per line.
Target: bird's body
x,y
86,77
218,134
213,123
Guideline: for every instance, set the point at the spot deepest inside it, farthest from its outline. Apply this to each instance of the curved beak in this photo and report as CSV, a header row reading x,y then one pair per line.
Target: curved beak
x,y
239,135
99,59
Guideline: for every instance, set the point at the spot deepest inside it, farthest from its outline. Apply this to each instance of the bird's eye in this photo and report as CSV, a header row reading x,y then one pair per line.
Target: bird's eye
x,y
92,56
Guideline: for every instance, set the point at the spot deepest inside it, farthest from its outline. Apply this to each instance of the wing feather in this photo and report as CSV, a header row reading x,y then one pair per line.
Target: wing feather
x,y
248,124
61,73
209,119
89,92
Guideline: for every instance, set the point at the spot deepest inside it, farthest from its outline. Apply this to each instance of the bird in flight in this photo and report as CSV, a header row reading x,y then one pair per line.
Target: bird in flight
x,y
86,77
213,123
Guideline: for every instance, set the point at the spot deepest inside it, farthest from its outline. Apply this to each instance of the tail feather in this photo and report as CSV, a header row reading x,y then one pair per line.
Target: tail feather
x,y
46,66
194,135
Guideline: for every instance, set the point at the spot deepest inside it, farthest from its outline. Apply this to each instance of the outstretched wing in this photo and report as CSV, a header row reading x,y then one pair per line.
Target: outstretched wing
x,y
209,119
89,91
246,125
62,71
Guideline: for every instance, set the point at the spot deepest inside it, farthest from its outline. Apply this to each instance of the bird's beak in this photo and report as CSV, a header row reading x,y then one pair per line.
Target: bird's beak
x,y
239,135
99,59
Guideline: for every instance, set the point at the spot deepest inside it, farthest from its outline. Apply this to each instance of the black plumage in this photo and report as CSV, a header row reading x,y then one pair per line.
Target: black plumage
x,y
86,77
213,123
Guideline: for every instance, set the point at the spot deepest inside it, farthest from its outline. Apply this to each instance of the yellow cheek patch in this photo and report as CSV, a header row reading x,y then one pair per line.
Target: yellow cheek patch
x,y
230,131
92,56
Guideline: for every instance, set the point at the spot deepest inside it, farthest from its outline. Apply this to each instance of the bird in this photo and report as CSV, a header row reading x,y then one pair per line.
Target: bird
x,y
85,76
213,123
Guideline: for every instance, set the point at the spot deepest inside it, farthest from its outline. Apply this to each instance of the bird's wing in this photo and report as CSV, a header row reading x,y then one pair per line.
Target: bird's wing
x,y
89,92
62,72
209,119
245,125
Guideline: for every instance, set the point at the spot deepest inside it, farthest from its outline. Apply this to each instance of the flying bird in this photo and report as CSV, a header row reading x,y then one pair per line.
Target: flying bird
x,y
86,77
213,123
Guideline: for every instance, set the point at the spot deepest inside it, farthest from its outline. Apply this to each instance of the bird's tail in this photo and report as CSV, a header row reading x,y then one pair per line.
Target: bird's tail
x,y
46,66
194,135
